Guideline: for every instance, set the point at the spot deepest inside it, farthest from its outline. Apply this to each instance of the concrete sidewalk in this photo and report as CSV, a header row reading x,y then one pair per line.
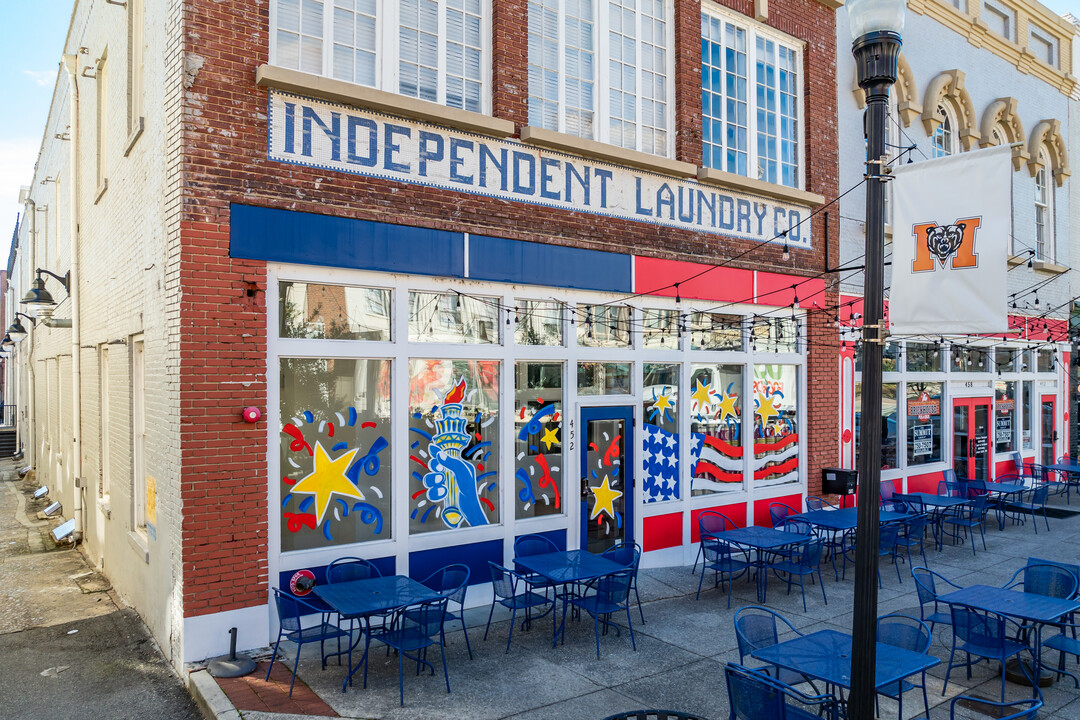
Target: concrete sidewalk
x,y
681,650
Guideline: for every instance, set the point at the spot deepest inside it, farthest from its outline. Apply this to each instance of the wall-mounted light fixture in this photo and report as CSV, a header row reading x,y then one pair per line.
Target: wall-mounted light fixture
x,y
39,299
16,331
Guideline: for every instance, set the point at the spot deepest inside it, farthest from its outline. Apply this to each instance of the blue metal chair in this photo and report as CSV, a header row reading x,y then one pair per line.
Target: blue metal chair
x,y
504,584
1036,502
1044,579
722,559
888,535
1029,709
970,516
982,635
527,545
926,585
779,512
888,490
629,556
603,596
755,628
813,502
753,695
711,522
414,629
904,631
452,582
1071,567
805,560
914,532
347,569
291,612
1069,479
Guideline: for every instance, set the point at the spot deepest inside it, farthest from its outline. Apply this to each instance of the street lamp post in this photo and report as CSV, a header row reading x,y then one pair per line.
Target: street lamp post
x,y
875,29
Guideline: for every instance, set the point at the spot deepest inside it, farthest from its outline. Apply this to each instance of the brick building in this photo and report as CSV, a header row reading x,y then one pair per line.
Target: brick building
x,y
479,266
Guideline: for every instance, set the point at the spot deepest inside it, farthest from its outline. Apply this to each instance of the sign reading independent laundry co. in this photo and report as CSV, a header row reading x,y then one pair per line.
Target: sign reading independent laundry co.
x,y
338,137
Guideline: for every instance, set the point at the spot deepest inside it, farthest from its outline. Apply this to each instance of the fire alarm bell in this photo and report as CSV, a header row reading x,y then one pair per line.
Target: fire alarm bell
x,y
252,414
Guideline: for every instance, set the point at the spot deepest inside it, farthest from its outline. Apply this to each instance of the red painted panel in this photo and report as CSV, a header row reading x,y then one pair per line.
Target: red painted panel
x,y
662,531
761,508
654,276
736,513
775,289
924,483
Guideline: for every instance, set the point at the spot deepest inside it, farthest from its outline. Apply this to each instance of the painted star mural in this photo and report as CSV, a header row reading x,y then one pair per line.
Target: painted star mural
x,y
605,497
328,478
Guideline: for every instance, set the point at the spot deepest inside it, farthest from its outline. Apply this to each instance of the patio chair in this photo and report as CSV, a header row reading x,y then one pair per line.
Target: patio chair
x,y
1018,462
1044,579
504,584
348,569
414,629
291,612
791,525
888,490
629,556
1036,502
710,522
723,559
755,628
527,545
887,539
779,512
983,635
805,560
753,695
914,532
452,582
1065,643
1029,709
1070,479
904,631
970,516
602,597
1074,569
813,502
926,585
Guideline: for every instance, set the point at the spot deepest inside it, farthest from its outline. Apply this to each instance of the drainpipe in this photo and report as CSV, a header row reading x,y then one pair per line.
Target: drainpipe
x,y
28,343
71,65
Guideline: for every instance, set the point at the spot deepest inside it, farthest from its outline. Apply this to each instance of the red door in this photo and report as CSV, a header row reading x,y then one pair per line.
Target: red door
x,y
1049,430
971,438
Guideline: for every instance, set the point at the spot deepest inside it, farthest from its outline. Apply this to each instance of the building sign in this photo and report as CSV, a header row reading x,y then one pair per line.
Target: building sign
x,y
337,137
924,407
1003,430
923,440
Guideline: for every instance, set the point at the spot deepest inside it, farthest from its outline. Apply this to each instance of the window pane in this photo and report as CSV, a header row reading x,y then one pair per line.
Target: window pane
x,y
463,51
1004,359
923,423
335,452
660,329
776,425
538,439
1046,361
715,331
923,357
418,50
336,312
453,318
1025,434
660,444
538,323
453,444
1004,416
596,378
716,454
603,325
776,335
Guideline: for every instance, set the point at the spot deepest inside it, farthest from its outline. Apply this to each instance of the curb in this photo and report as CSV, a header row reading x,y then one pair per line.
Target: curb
x,y
210,698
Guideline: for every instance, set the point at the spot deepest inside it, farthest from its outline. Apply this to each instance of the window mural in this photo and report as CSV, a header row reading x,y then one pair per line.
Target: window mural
x,y
776,425
716,455
661,424
538,439
335,452
453,444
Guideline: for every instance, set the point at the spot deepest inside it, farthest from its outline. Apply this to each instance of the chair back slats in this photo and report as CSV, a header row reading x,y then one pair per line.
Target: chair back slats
x,y
813,502
924,584
711,522
423,619
779,512
503,581
291,610
614,590
752,698
1049,580
984,630
626,554
527,545
348,569
451,582
756,628
904,631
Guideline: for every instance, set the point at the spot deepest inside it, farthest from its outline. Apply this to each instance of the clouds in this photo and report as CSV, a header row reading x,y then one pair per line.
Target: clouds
x,y
41,78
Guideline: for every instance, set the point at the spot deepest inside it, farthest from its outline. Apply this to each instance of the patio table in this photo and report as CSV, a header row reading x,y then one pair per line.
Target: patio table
x,y
1004,490
1070,471
763,540
360,599
940,503
840,522
826,655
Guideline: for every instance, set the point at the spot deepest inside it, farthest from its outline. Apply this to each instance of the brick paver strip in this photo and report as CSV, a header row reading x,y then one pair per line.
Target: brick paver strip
x,y
254,692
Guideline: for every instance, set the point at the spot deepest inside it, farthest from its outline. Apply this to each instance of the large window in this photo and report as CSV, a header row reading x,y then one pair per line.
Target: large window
x,y
435,50
337,312
923,423
1004,416
1044,210
923,357
943,140
660,443
750,98
716,455
538,422
889,424
621,97
1028,409
776,425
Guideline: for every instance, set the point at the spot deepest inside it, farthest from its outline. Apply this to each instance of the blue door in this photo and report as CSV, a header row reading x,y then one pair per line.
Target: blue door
x,y
607,483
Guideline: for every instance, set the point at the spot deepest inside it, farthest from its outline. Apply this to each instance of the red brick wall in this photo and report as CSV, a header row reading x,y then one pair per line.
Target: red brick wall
x,y
223,307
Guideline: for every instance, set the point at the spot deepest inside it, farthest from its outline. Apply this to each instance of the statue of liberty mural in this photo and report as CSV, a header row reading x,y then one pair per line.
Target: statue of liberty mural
x,y
451,479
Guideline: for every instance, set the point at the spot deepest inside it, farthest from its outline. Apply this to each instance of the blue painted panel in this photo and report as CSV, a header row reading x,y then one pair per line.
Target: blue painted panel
x,y
474,555
502,260
556,536
274,235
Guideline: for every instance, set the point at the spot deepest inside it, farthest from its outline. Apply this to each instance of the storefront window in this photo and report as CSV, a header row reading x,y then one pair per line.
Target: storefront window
x,y
775,335
715,331
970,359
598,378
890,353
335,452
453,318
716,455
923,357
889,424
605,326
1046,361
453,444
660,329
660,444
1025,435
776,425
1004,359
923,423
335,312
538,439
1025,360
538,323
1004,416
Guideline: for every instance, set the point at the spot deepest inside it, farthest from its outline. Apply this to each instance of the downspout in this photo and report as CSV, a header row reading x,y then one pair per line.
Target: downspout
x,y
71,65
30,455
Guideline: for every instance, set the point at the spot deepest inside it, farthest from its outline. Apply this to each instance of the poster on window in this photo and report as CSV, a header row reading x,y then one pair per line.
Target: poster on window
x,y
951,225
923,440
1003,430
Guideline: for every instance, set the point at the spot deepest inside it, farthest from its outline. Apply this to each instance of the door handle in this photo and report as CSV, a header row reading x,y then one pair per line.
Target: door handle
x,y
584,488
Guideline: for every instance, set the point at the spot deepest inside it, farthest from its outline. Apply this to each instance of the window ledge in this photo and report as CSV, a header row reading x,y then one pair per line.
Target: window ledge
x,y
139,545
1049,267
303,83
136,133
604,151
759,187
1015,260
101,190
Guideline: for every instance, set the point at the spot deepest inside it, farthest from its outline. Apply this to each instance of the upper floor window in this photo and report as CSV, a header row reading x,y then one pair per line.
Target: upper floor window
x,y
943,141
751,123
435,50
1043,44
1000,18
599,69
1044,209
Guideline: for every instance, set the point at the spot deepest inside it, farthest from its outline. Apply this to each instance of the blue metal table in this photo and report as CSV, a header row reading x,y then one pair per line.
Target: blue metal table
x,y
562,568
840,522
940,503
1070,471
763,540
1003,491
360,599
826,655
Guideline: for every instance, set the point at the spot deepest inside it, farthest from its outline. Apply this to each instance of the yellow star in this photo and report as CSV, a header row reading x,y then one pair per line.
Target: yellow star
x,y
328,478
605,499
662,403
765,408
702,394
727,406
550,436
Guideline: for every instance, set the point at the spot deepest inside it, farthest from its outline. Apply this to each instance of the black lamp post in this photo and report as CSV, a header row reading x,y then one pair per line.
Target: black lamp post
x,y
875,29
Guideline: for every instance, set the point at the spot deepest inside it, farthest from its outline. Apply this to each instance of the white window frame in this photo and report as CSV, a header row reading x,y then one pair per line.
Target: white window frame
x,y
948,119
1044,205
753,30
387,54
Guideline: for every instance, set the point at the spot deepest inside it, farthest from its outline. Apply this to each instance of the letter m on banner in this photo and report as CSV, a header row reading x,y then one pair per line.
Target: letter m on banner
x,y
949,269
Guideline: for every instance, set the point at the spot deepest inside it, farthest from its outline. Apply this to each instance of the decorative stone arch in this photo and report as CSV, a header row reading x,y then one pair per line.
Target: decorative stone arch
x,y
1002,113
907,94
1048,134
948,89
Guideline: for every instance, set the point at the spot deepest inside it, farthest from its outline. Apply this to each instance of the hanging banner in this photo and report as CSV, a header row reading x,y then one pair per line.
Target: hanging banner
x,y
952,218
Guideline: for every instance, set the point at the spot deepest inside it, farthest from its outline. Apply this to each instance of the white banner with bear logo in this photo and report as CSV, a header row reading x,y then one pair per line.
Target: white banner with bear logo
x,y
952,218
